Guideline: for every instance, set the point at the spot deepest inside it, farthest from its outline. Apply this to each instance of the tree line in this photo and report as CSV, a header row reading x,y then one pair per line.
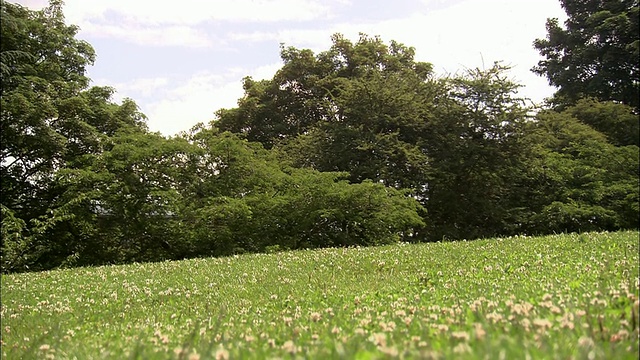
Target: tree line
x,y
353,146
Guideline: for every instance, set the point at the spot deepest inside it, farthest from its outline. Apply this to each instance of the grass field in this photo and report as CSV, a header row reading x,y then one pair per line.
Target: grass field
x,y
555,297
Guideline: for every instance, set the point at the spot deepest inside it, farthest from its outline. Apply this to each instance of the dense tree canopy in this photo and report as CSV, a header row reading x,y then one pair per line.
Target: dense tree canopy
x,y
356,145
596,54
49,121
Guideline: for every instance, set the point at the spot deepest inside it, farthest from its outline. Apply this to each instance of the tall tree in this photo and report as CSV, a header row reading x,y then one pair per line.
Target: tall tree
x,y
596,54
363,103
49,121
576,180
475,142
240,197
617,121
371,110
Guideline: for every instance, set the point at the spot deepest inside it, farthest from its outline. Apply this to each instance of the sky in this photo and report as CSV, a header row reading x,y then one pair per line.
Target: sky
x,y
183,60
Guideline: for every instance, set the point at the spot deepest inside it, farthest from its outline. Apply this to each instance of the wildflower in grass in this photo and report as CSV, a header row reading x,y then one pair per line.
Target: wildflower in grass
x,y
586,343
179,351
389,326
336,330
315,316
289,347
542,324
379,339
624,323
391,351
620,335
359,331
462,348
479,331
222,354
44,347
271,343
494,317
596,302
194,356
522,309
329,311
460,335
442,327
475,305
407,320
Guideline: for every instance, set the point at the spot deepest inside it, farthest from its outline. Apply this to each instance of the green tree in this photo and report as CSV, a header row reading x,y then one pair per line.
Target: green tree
x,y
475,142
617,121
49,122
242,198
132,199
596,54
369,109
577,180
363,103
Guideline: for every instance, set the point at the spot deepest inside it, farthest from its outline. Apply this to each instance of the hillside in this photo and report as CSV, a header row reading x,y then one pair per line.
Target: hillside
x,y
561,296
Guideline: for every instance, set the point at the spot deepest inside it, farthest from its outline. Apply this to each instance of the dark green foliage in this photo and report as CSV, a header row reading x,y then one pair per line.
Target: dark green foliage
x,y
241,199
50,123
617,121
596,53
475,141
466,147
357,145
577,180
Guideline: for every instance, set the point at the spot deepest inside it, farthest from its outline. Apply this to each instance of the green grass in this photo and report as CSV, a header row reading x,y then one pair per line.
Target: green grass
x,y
554,297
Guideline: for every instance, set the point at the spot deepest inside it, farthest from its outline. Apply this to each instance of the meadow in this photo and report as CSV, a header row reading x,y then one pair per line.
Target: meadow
x,y
571,296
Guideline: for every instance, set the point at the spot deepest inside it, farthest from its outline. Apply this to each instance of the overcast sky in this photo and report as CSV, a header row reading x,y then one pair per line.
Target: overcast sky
x,y
183,60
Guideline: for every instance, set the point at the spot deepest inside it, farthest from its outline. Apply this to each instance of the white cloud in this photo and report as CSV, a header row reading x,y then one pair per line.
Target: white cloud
x,y
452,36
170,35
33,4
314,39
142,87
193,12
163,23
174,106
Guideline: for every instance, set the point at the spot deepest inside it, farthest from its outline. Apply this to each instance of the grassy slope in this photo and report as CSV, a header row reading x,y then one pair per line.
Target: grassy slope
x,y
564,296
